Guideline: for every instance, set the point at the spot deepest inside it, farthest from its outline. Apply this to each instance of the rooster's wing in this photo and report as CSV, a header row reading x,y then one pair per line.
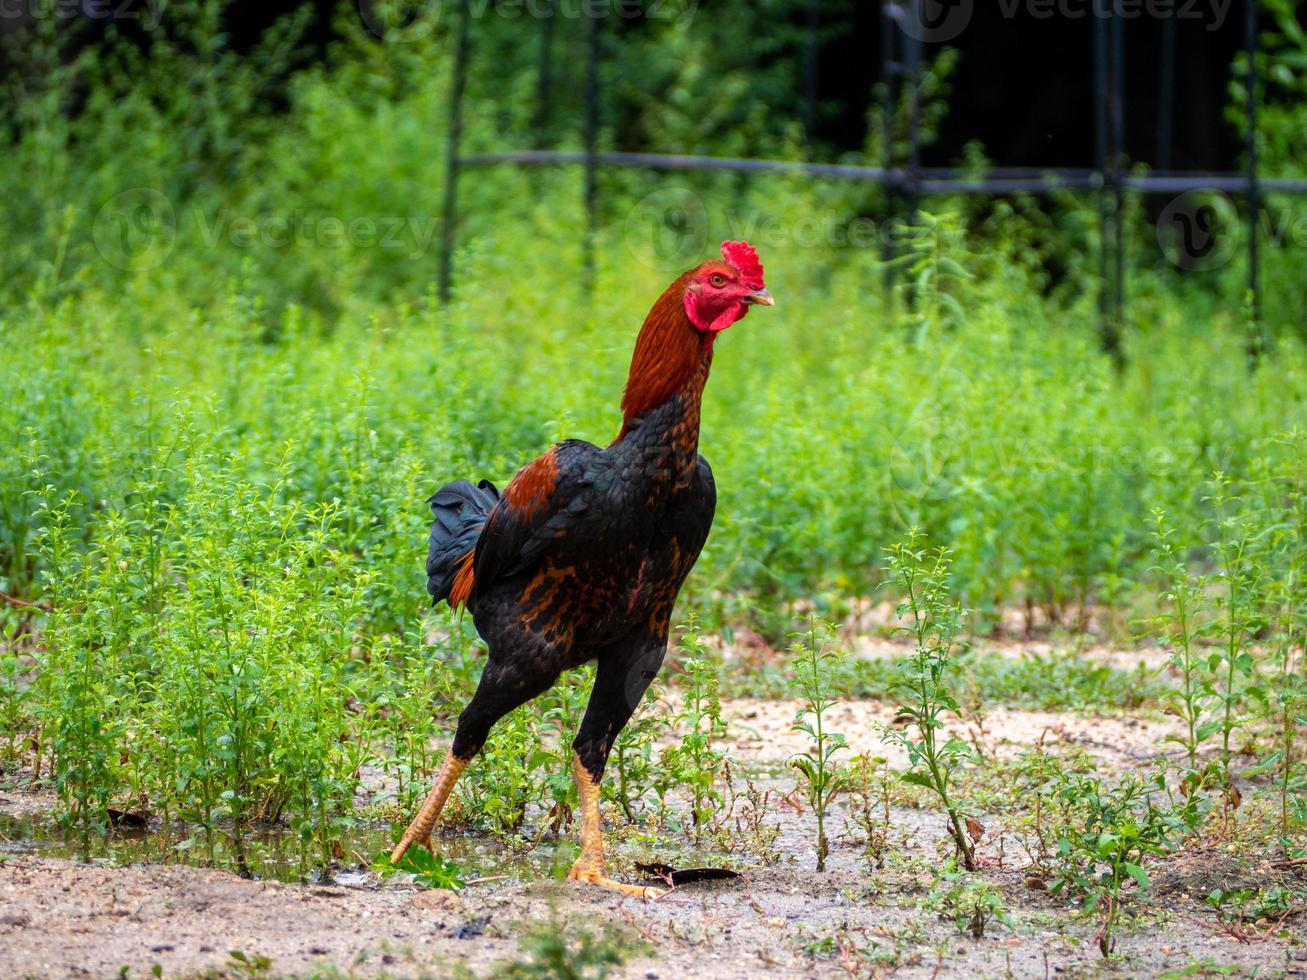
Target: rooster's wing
x,y
546,498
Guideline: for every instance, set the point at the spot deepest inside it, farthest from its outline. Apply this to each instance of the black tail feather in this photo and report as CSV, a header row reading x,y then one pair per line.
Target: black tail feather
x,y
461,511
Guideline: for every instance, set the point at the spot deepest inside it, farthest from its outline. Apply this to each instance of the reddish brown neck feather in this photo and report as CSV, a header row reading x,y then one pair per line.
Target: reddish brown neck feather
x,y
670,356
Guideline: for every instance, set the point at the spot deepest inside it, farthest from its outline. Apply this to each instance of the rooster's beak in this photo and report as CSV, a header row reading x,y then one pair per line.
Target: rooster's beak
x,y
759,297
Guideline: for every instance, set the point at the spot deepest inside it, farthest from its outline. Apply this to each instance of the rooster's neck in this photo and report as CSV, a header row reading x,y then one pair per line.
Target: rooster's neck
x,y
669,369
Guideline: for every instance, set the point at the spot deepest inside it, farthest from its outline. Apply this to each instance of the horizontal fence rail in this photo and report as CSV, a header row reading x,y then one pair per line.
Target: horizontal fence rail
x,y
999,180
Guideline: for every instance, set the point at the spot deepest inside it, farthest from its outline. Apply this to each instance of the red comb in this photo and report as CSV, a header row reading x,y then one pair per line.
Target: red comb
x,y
744,259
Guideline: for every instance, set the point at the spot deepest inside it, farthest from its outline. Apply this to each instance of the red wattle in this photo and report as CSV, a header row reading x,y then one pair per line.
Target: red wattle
x,y
728,316
719,323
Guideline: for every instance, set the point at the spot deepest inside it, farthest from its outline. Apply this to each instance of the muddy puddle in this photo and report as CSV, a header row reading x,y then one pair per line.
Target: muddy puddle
x,y
273,854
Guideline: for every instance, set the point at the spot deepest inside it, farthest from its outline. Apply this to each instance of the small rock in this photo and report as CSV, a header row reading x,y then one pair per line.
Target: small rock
x,y
471,929
161,949
16,919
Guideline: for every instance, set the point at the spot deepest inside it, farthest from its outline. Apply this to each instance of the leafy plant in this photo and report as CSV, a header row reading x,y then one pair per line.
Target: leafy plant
x,y
1103,838
1180,626
970,902
562,954
696,762
1239,620
934,621
1286,487
867,783
428,870
815,664
252,965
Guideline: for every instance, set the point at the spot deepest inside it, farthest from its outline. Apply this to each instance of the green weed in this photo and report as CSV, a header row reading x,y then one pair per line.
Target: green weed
x,y
815,663
571,954
1103,836
934,621
697,762
967,900
428,869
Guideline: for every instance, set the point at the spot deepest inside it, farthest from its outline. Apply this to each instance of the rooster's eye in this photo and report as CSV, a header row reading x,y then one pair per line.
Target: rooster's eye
x,y
718,281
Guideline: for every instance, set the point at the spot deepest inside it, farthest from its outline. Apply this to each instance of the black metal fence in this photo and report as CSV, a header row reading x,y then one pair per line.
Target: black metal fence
x,y
905,180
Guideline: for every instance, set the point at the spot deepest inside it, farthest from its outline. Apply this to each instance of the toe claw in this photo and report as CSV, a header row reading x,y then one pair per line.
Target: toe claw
x,y
593,874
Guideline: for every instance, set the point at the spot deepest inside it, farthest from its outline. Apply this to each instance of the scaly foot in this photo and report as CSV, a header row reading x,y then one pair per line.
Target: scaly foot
x,y
419,831
592,873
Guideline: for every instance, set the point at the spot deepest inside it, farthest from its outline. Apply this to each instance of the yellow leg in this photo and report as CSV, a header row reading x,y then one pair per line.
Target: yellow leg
x,y
420,829
589,867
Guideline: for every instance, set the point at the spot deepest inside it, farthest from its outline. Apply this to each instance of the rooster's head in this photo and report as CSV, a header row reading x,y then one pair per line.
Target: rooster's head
x,y
720,292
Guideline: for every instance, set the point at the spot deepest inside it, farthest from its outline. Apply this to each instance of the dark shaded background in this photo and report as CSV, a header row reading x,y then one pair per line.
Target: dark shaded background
x,y
1023,86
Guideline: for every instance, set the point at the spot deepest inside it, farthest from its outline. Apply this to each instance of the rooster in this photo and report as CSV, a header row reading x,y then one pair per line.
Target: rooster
x,y
583,554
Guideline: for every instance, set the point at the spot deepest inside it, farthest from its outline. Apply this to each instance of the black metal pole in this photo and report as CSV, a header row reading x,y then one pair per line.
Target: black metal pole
x,y
545,74
810,49
912,57
1165,96
1252,194
888,33
1105,328
1118,173
453,137
591,142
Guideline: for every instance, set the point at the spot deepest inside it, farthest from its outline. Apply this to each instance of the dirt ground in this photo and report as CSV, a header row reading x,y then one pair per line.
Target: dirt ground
x,y
60,918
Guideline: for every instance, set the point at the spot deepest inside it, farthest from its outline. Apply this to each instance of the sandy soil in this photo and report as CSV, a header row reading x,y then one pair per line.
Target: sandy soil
x,y
761,732
60,918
